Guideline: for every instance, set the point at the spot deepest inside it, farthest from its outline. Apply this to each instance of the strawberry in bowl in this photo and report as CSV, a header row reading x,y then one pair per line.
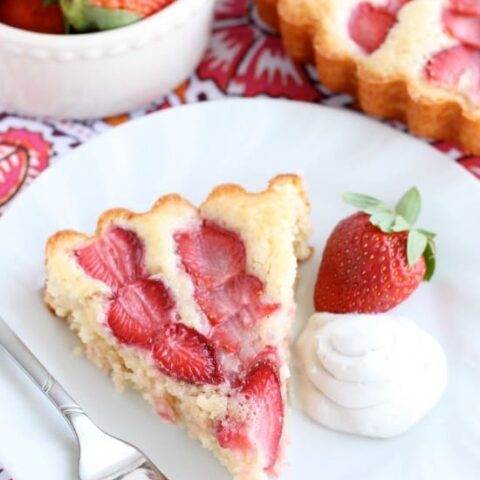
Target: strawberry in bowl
x,y
33,15
76,16
374,259
93,15
100,73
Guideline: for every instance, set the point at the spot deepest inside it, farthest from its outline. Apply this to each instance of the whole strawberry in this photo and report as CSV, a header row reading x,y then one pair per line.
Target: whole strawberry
x,y
374,259
94,15
34,15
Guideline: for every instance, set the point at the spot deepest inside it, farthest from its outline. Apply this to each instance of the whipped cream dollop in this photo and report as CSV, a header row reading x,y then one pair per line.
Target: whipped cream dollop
x,y
372,375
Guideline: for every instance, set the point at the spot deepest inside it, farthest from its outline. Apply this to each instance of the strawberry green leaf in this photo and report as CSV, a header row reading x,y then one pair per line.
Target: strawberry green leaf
x,y
105,19
400,224
377,209
383,220
409,205
362,202
47,3
419,242
430,260
427,233
416,244
85,18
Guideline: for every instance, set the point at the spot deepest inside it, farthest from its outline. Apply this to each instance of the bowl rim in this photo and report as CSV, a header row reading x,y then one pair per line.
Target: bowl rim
x,y
172,11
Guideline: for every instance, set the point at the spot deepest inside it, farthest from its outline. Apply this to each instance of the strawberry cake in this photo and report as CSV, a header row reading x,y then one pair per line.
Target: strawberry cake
x,y
413,60
194,307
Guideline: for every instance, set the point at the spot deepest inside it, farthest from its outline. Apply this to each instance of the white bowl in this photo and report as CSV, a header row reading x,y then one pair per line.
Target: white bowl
x,y
106,73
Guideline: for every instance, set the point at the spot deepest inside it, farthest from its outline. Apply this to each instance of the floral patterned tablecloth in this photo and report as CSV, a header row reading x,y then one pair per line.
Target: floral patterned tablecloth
x,y
245,59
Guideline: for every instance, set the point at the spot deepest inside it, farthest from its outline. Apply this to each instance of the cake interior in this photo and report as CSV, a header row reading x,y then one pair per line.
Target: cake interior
x,y
193,308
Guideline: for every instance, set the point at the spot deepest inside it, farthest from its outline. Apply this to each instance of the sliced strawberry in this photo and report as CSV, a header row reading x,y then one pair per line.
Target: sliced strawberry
x,y
457,67
117,258
369,26
470,7
262,392
211,254
138,311
465,28
269,354
234,435
262,428
229,335
240,296
183,353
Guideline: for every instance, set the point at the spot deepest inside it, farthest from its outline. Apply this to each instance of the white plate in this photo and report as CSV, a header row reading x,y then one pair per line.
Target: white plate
x,y
191,149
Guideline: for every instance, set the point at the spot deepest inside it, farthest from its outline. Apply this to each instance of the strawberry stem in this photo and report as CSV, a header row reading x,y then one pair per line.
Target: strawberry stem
x,y
400,219
409,205
430,259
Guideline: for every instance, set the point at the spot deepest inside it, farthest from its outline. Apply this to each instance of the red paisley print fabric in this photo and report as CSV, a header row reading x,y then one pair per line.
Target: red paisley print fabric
x,y
247,59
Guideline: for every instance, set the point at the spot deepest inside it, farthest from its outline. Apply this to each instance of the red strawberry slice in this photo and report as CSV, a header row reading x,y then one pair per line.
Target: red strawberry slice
x,y
262,430
465,28
233,434
14,160
240,296
117,258
139,311
457,67
262,393
369,26
470,7
231,335
185,354
211,255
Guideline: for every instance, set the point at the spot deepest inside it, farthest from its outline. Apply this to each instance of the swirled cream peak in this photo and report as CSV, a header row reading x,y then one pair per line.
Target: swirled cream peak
x,y
372,375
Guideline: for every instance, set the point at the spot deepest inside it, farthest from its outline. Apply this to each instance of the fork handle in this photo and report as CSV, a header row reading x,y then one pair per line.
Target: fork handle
x,y
17,350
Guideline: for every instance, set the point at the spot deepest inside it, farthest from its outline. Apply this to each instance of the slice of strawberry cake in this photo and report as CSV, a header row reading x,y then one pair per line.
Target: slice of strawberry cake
x,y
194,307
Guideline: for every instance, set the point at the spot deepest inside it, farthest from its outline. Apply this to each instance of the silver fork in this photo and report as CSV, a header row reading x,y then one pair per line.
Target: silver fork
x,y
102,457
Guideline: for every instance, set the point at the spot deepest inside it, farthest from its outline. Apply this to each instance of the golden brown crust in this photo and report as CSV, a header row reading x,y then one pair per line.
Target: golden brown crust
x,y
393,98
293,180
337,74
107,218
267,10
297,36
62,237
173,200
440,120
233,189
